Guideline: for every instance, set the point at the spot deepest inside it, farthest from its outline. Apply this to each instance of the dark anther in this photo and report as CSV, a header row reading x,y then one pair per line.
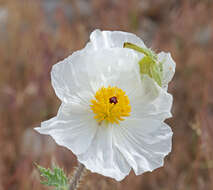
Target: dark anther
x,y
113,100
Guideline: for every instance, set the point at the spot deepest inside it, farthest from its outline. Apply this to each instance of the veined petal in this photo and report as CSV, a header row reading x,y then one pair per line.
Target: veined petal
x,y
151,101
145,92
74,79
70,79
168,68
113,39
121,70
144,143
74,131
103,157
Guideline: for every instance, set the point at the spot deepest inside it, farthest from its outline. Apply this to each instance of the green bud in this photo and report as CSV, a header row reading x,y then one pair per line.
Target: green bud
x,y
148,64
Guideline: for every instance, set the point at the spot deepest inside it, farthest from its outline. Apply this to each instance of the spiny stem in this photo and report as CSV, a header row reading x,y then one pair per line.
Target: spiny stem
x,y
78,175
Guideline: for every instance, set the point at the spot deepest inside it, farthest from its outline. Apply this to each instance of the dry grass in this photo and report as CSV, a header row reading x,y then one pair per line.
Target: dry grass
x,y
30,44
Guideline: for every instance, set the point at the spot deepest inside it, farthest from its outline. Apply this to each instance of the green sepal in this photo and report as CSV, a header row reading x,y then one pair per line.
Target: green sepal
x,y
148,64
151,68
54,177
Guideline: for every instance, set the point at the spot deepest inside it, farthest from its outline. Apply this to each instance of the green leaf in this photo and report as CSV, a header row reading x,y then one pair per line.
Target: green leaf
x,y
54,177
148,64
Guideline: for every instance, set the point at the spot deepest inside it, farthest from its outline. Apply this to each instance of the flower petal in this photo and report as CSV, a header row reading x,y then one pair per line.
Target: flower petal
x,y
74,131
144,143
117,67
113,39
103,157
70,79
151,101
168,68
79,76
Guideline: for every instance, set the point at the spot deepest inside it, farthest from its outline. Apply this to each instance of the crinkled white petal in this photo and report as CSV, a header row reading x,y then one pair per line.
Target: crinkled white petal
x,y
168,68
103,157
75,79
113,39
72,128
144,143
70,79
150,101
117,67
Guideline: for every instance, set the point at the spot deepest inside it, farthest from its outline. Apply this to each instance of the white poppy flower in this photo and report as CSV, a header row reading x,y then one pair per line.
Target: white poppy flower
x,y
111,117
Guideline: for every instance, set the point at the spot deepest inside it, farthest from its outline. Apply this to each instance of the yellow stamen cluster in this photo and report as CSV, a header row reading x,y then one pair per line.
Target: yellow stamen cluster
x,y
111,104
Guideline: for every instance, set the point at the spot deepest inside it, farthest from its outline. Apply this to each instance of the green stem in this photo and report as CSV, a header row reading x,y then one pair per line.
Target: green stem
x,y
136,48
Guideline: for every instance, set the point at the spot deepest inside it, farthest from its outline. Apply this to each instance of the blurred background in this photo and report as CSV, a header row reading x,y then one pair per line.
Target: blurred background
x,y
35,34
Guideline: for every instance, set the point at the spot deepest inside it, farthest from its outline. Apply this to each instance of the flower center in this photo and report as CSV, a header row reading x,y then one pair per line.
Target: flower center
x,y
113,100
111,104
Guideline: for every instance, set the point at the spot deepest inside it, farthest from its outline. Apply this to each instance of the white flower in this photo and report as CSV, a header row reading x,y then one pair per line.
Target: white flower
x,y
110,116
